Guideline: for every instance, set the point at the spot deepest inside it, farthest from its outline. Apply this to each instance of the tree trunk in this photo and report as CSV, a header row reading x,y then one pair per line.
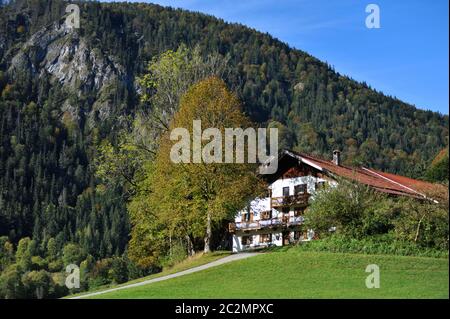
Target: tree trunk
x,y
190,246
208,235
418,229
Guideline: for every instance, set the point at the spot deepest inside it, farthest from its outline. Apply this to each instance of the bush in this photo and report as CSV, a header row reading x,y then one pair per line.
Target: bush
x,y
38,284
119,270
354,209
135,271
177,253
358,212
386,244
424,223
101,274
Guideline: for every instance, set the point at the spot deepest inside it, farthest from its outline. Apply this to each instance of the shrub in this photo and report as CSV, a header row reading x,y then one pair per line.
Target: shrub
x,y
385,244
354,209
38,284
423,223
358,212
177,253
101,274
119,270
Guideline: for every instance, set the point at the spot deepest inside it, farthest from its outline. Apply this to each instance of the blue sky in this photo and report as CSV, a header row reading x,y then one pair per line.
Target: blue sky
x,y
406,57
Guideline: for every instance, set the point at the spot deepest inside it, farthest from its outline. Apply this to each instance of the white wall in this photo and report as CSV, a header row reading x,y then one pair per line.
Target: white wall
x,y
260,205
310,181
277,240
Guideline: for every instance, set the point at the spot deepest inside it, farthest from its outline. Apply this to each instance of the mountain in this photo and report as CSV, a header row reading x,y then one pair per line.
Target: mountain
x,y
65,90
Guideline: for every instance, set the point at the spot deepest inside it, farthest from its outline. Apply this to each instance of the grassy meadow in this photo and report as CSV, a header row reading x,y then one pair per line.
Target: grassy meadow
x,y
293,273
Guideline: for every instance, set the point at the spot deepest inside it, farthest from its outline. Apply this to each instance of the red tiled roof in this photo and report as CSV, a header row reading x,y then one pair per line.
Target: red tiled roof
x,y
385,182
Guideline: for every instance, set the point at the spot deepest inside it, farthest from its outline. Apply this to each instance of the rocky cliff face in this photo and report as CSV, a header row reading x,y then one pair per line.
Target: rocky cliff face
x,y
60,52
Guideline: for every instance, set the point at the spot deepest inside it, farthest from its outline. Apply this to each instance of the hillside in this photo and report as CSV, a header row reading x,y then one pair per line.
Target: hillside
x,y
298,274
64,91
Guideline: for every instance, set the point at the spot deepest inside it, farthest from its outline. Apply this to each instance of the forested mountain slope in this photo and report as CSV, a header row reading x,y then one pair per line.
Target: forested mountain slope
x,y
63,91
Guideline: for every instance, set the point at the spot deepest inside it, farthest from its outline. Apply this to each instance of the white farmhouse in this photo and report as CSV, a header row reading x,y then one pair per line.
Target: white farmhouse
x,y
277,219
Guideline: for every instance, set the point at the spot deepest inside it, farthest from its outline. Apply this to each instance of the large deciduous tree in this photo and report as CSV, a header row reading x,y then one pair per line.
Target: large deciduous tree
x,y
191,198
168,77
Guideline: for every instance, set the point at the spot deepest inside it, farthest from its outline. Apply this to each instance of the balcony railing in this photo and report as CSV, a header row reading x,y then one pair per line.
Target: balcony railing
x,y
297,199
266,223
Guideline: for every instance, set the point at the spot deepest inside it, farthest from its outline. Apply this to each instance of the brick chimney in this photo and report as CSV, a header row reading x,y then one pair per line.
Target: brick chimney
x,y
337,157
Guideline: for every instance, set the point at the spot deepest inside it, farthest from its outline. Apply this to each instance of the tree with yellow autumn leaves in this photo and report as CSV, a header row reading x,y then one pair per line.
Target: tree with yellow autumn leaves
x,y
186,201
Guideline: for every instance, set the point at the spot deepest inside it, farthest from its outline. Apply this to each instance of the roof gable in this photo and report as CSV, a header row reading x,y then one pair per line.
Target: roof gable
x,y
385,182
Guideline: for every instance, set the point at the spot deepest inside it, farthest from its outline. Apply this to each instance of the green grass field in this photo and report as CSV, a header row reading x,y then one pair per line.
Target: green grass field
x,y
195,261
293,273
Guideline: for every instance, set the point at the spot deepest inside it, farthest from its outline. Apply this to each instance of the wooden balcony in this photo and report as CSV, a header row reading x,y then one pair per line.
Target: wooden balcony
x,y
286,201
265,223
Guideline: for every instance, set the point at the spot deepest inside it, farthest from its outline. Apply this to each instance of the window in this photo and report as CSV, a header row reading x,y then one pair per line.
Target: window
x,y
285,210
266,215
297,235
247,217
247,240
286,191
300,189
265,238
